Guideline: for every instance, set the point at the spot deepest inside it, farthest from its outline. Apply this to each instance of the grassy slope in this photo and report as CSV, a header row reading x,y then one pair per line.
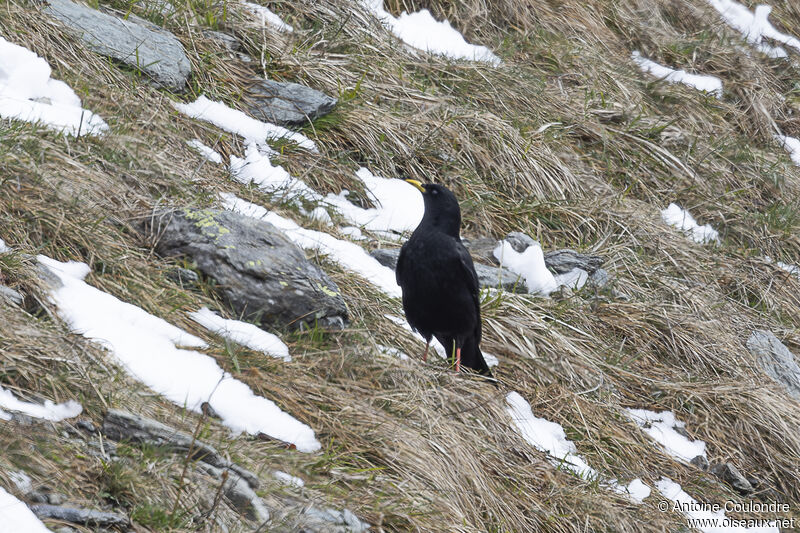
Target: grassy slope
x,y
411,447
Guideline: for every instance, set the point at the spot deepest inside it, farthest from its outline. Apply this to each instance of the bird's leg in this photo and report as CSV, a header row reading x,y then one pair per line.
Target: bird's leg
x,y
425,353
458,360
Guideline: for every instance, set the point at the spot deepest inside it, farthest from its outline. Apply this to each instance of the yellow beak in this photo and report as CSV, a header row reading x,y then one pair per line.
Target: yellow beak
x,y
416,184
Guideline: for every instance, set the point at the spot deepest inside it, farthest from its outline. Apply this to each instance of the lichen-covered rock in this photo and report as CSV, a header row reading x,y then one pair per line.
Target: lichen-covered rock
x,y
776,360
145,47
287,104
563,261
258,270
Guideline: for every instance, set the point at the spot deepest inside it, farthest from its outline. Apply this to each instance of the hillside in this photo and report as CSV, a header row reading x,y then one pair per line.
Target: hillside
x,y
200,328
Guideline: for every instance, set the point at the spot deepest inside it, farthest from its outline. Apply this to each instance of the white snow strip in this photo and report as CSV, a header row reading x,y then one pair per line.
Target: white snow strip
x,y
393,352
684,221
352,232
399,205
791,145
528,264
420,30
54,412
702,515
347,254
242,333
550,438
206,151
3,247
28,93
662,428
709,84
574,279
754,26
15,517
267,17
21,480
257,168
148,348
288,479
235,121
491,360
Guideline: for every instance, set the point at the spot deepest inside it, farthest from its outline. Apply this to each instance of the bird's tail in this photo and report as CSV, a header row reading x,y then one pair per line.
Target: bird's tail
x,y
472,357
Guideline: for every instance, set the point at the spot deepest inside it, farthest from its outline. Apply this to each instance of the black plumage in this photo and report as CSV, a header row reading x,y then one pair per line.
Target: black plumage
x,y
439,283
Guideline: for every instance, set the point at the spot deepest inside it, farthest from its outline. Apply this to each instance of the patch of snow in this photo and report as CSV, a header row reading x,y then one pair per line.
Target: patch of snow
x,y
16,517
148,348
352,232
703,516
235,121
662,428
206,151
3,247
257,168
399,205
321,214
55,412
491,360
28,93
637,490
709,84
393,352
21,480
684,221
242,333
574,279
347,254
528,264
754,26
288,479
268,17
420,30
791,145
403,323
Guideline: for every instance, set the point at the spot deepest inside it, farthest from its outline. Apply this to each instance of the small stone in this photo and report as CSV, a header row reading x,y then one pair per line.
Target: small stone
x,y
183,276
776,360
56,498
287,104
10,295
86,425
229,42
728,473
563,261
598,279
36,496
209,411
700,462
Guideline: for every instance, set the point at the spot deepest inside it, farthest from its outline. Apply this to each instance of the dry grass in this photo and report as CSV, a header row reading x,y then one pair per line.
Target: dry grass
x,y
411,447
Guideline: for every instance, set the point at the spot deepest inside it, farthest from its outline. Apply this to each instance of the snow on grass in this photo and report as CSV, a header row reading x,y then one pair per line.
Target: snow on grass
x,y
754,26
352,232
21,480
257,168
791,145
393,352
348,254
235,121
662,428
15,517
491,360
54,412
684,221
398,205
528,264
550,438
703,515
28,93
403,323
420,30
709,84
267,17
3,247
242,333
148,348
206,151
288,479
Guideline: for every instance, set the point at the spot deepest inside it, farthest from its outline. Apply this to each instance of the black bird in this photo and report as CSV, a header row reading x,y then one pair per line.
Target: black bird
x,y
439,283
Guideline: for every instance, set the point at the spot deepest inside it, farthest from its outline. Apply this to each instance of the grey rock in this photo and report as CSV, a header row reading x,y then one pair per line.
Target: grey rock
x,y
56,498
287,104
152,51
86,425
123,426
563,261
731,475
65,529
488,276
598,279
229,42
700,462
482,249
257,269
239,493
77,515
36,496
10,295
519,241
776,360
104,449
183,276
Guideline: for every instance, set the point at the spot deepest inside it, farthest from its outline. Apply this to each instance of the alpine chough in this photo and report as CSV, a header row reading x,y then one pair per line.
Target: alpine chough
x,y
439,283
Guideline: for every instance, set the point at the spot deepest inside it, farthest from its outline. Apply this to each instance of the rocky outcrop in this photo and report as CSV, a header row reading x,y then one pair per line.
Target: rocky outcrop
x,y
287,104
776,360
488,276
259,271
136,43
77,515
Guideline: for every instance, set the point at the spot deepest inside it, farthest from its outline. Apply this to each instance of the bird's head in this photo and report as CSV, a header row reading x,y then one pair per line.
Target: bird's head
x,y
441,207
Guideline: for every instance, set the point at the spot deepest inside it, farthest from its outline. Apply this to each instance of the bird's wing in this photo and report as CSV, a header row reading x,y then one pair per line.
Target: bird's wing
x,y
399,266
471,277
